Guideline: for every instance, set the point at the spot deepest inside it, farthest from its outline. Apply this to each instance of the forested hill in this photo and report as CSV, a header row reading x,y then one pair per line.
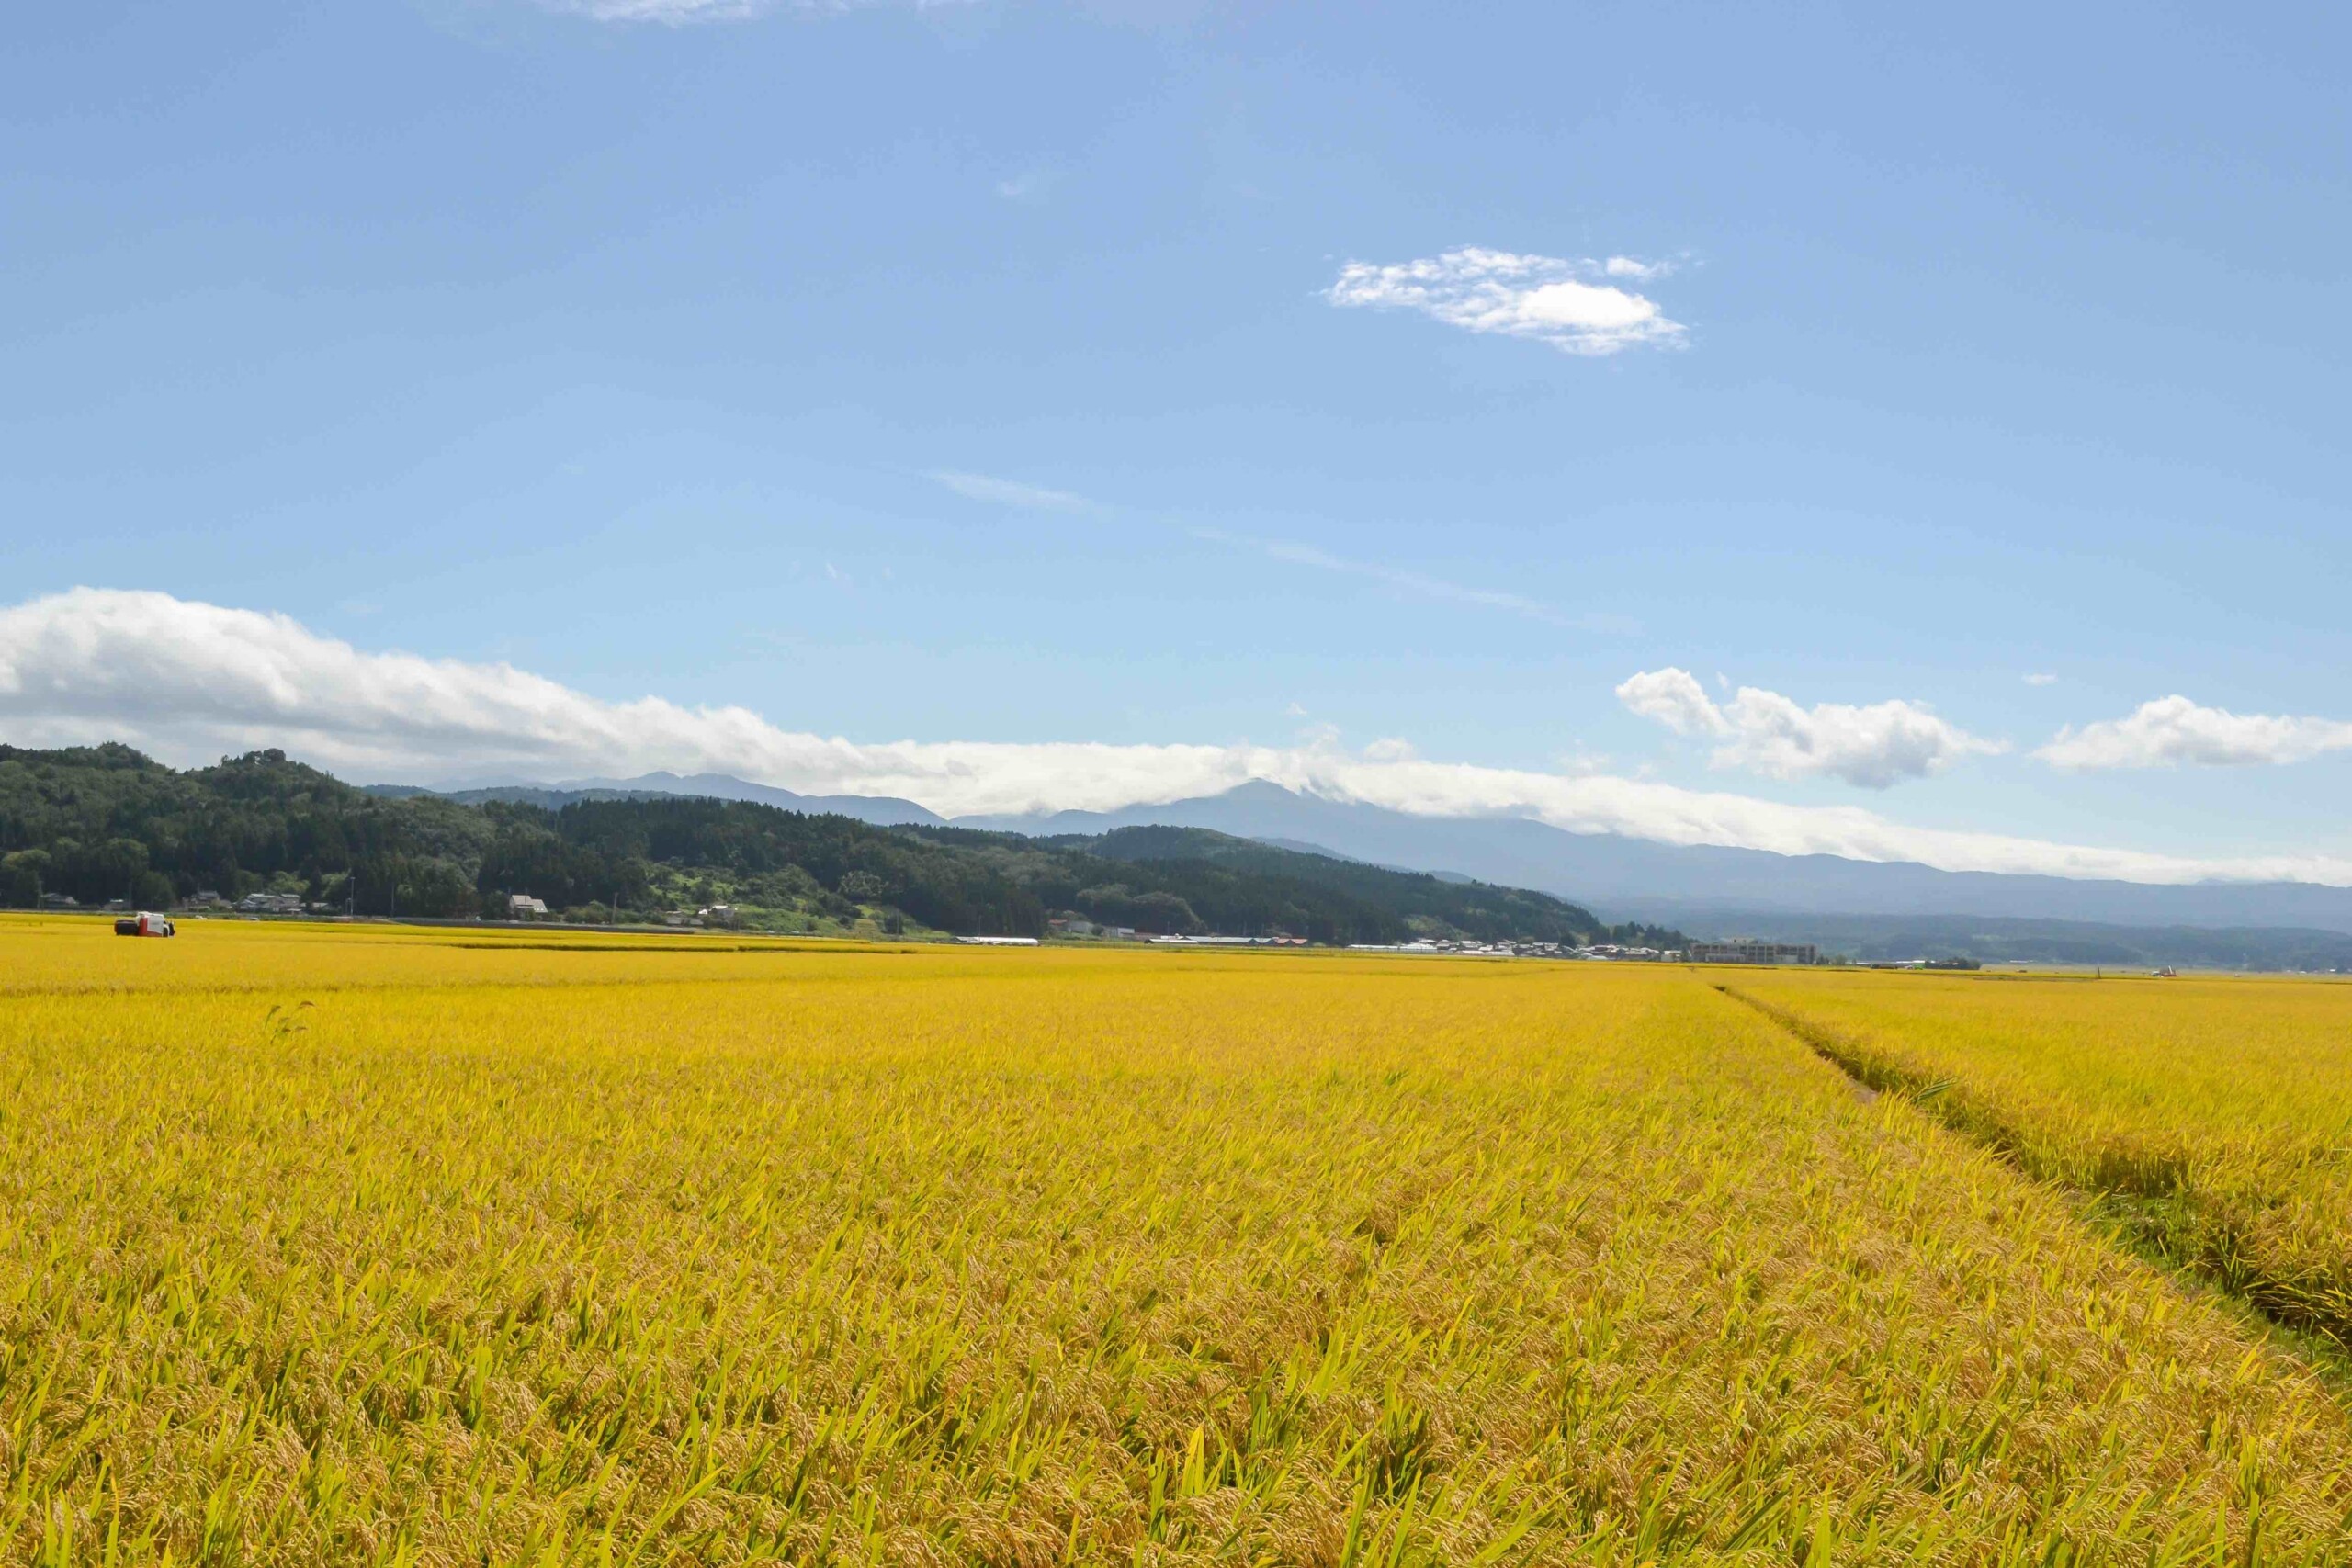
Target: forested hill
x,y
95,823
1196,860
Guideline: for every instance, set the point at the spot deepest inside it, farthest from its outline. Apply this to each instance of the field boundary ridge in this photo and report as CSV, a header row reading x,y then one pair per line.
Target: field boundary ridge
x,y
2148,1196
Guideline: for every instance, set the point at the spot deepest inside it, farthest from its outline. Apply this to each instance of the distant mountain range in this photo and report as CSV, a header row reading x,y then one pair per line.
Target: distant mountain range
x,y
883,811
1991,939
1624,878
1874,909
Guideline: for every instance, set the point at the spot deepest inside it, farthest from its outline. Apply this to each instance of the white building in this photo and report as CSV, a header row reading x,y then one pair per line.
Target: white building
x,y
1747,949
271,904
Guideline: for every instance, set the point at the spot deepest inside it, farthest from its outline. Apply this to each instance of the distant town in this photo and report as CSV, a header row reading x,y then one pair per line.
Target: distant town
x,y
523,909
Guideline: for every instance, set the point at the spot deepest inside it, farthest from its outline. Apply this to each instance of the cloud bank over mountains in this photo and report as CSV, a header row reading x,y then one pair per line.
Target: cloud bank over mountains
x,y
191,681
1874,747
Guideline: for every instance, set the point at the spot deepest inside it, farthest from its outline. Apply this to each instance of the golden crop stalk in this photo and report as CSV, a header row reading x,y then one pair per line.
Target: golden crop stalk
x,y
590,1250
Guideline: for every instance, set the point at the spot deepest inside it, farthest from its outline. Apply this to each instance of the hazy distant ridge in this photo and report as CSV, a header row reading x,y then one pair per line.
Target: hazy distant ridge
x,y
1625,878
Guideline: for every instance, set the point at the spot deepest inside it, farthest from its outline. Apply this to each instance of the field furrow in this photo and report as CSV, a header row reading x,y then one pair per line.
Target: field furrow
x,y
2216,1115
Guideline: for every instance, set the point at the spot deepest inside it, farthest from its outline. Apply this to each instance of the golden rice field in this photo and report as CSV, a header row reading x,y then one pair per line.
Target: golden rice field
x,y
367,1246
2216,1113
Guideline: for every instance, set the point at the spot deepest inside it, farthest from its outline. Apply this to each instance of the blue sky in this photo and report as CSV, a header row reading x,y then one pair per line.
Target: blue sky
x,y
982,373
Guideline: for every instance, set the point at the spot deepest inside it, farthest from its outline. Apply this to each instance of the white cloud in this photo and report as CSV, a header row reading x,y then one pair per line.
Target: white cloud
x,y
1012,492
1390,748
1675,699
1568,304
2041,679
2172,730
1639,271
1874,747
190,682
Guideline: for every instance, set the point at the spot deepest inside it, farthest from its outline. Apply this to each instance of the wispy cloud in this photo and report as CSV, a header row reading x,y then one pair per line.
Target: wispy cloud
x,y
1030,186
2172,730
1575,306
1876,746
672,13
2041,680
1420,584
684,13
188,682
1039,498
1012,493
1417,583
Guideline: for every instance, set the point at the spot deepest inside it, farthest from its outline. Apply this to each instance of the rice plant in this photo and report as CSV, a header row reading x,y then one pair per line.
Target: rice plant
x,y
675,1253
2212,1116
